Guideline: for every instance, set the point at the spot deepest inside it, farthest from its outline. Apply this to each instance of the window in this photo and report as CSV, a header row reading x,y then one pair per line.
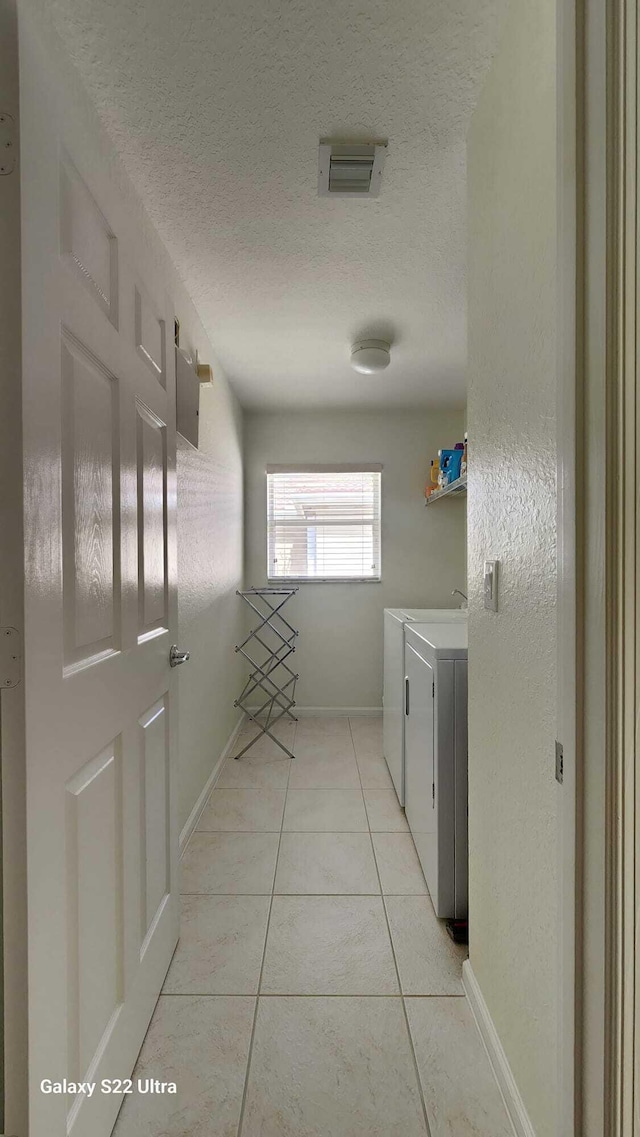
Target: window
x,y
323,522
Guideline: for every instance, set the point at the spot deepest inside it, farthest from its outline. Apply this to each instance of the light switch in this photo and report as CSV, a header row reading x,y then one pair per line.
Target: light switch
x,y
491,585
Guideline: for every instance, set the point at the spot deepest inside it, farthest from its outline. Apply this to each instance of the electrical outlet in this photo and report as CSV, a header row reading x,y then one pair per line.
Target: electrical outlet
x,y
491,585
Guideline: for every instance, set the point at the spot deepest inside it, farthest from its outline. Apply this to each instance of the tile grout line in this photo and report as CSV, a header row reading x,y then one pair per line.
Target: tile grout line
x,y
395,963
294,995
304,832
404,1008
244,895
273,893
364,800
264,950
272,896
165,994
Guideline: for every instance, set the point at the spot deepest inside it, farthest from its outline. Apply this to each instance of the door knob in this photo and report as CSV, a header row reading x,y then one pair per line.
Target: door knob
x,y
176,657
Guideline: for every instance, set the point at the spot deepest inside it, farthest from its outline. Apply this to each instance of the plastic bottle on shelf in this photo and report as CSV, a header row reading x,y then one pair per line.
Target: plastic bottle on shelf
x,y
463,465
432,481
450,461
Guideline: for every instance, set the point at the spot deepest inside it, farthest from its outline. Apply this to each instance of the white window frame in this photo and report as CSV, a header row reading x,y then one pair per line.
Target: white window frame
x,y
323,468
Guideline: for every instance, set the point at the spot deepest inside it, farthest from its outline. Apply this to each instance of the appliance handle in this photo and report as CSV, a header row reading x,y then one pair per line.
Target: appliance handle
x,y
406,694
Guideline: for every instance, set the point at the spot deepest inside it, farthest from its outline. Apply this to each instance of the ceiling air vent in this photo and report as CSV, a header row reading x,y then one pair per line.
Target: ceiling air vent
x,y
350,170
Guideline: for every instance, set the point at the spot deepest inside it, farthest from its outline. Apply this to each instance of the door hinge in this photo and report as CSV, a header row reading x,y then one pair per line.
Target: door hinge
x,y
10,663
559,762
433,689
433,793
8,144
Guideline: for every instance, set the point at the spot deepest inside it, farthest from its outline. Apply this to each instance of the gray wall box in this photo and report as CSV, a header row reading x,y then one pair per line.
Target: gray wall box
x,y
187,399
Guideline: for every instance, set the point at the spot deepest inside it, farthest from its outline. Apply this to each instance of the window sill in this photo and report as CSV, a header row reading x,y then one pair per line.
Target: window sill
x,y
324,580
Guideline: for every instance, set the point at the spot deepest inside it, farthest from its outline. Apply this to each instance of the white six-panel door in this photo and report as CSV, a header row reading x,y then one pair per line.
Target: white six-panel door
x,y
99,438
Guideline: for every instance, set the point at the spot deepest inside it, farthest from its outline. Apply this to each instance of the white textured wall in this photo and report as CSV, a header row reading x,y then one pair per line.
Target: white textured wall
x,y
339,655
511,420
210,519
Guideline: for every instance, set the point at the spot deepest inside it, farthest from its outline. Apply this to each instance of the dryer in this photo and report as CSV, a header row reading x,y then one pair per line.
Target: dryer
x,y
436,785
395,620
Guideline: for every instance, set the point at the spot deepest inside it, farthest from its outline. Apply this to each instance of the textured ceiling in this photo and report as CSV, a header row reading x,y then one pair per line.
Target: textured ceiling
x,y
217,107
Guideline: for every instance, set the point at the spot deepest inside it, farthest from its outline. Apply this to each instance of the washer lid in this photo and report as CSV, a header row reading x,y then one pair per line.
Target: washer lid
x,y
428,615
439,641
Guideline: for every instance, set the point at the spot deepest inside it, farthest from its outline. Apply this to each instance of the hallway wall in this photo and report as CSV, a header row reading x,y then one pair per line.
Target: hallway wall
x,y
210,559
512,517
339,654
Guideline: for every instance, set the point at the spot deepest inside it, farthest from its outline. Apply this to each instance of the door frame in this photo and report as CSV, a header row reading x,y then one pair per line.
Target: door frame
x,y
599,529
591,642
622,954
567,358
13,975
582,450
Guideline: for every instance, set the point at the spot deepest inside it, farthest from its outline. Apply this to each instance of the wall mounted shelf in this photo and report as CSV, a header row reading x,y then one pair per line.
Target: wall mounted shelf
x,y
452,490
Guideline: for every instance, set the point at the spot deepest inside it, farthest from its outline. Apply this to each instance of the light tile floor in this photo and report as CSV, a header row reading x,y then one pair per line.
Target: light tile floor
x,y
313,992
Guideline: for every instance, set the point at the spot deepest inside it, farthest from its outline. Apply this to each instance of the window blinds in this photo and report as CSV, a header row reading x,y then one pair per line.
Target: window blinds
x,y
323,523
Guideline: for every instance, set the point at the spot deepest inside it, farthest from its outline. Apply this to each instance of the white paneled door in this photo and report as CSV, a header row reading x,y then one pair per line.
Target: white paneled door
x,y
99,439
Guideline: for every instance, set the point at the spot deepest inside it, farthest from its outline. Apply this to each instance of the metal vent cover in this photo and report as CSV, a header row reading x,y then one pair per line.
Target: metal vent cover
x,y
350,169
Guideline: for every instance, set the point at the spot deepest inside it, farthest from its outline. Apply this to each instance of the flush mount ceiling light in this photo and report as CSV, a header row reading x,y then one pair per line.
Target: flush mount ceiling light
x,y
370,356
350,169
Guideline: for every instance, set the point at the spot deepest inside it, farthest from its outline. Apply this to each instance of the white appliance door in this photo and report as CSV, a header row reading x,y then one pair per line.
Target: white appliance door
x,y
100,615
393,701
419,763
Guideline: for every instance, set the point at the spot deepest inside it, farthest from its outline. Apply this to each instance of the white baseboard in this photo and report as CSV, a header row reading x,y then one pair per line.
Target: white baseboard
x,y
332,712
337,712
203,797
497,1057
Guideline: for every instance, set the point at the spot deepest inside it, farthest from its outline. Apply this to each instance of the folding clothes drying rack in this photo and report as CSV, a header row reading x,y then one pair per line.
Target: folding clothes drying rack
x,y
270,676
